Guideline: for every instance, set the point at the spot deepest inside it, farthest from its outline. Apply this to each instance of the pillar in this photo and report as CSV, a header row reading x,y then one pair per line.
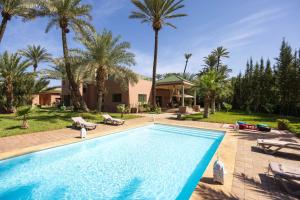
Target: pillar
x,y
182,98
195,98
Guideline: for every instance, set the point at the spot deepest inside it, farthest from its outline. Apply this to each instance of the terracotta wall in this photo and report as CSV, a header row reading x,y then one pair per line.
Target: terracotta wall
x,y
45,99
36,100
129,94
111,88
142,87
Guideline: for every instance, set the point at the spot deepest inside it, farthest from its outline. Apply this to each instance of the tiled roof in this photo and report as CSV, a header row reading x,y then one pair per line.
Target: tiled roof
x,y
173,79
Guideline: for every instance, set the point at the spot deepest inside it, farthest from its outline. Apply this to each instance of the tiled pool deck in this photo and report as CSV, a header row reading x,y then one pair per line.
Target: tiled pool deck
x,y
245,164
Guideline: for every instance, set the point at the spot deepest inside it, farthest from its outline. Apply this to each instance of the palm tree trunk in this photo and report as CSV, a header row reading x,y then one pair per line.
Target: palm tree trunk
x,y
35,67
9,97
206,108
218,63
213,104
77,100
3,26
154,69
186,62
100,85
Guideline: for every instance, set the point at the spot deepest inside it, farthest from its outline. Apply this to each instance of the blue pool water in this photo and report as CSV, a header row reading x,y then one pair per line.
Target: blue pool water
x,y
151,162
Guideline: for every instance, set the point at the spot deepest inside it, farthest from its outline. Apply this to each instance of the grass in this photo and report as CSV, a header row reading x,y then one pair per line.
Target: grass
x,y
232,117
47,119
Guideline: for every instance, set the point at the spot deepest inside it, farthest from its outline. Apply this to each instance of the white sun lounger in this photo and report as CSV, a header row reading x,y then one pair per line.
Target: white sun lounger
x,y
267,144
79,121
287,176
110,120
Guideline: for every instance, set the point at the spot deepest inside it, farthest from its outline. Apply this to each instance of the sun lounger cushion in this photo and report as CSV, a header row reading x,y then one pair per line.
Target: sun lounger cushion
x,y
285,171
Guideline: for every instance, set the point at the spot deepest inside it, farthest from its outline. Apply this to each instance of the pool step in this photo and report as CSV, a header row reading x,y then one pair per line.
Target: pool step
x,y
190,132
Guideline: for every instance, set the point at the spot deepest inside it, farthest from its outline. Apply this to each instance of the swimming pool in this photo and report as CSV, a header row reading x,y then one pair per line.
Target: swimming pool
x,y
150,162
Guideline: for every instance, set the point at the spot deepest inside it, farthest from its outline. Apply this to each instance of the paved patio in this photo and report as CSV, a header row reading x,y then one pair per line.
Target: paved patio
x,y
245,164
251,180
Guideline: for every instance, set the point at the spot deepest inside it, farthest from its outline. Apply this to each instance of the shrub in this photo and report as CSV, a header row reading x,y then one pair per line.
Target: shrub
x,y
227,106
63,108
283,124
24,112
122,108
156,109
147,107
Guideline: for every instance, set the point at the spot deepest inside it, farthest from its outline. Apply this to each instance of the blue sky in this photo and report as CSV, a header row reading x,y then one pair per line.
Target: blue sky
x,y
246,28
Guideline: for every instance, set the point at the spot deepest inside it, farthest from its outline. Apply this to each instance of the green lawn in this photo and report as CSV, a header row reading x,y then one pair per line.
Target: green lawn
x,y
47,119
232,117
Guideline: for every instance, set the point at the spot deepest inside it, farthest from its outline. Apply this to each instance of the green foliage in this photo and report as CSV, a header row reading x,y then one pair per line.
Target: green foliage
x,y
227,106
157,12
109,58
283,124
35,55
156,109
145,107
122,108
66,14
45,119
63,108
89,116
263,88
23,111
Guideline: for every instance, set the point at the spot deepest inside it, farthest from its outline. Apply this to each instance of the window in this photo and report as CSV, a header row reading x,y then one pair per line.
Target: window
x,y
117,98
142,98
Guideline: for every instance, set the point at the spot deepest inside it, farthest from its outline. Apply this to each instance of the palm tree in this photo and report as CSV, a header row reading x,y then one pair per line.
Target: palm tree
x,y
207,85
11,69
35,55
57,71
220,52
68,14
157,13
11,8
187,57
211,62
106,56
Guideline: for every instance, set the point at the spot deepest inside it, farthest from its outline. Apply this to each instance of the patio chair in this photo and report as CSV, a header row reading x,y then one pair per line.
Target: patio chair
x,y
79,121
113,121
267,144
287,175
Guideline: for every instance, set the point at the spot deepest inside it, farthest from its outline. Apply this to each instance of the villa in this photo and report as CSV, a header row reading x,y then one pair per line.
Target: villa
x,y
48,97
171,92
128,138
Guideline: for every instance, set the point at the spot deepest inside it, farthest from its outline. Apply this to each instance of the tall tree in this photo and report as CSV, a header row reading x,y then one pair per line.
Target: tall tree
x,y
284,71
11,69
35,55
157,13
106,55
12,8
67,14
220,52
187,57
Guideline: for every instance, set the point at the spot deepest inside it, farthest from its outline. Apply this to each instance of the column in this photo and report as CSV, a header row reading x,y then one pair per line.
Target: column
x,y
195,97
182,97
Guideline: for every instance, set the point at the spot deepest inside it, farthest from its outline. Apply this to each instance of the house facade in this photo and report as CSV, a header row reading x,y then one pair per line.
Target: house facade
x,y
48,98
169,93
